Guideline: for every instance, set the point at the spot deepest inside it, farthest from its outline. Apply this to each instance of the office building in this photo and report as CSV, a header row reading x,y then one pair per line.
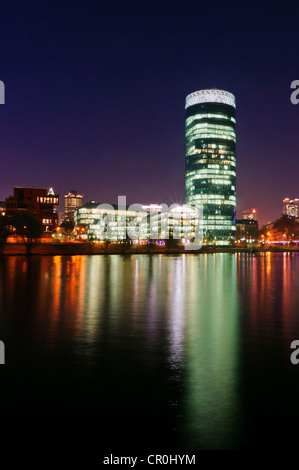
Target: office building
x,y
210,176
95,221
72,201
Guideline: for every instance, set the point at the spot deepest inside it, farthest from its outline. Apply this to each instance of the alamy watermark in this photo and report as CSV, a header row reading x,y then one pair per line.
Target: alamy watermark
x,y
2,353
295,354
2,92
295,94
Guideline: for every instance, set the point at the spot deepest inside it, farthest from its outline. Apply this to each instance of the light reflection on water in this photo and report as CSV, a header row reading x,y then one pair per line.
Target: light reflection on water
x,y
196,334
212,351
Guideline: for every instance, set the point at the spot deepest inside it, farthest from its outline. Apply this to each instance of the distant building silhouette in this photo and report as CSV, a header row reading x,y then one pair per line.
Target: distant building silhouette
x,y
250,214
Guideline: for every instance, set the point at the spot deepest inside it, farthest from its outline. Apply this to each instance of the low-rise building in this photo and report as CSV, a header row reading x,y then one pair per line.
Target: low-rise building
x,y
138,222
247,230
41,202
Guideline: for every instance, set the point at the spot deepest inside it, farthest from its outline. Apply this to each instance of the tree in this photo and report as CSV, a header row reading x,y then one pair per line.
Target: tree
x,y
126,243
286,226
28,227
231,241
107,243
91,238
172,243
283,229
67,228
208,238
151,244
106,239
4,232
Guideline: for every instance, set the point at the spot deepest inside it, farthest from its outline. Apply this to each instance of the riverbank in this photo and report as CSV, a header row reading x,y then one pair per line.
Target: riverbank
x,y
96,249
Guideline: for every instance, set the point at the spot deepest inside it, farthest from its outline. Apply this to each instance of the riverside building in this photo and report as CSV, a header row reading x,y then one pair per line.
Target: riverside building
x,y
140,223
41,202
210,171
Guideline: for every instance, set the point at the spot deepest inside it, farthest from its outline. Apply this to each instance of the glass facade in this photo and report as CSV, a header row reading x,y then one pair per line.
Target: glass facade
x,y
151,222
103,221
211,161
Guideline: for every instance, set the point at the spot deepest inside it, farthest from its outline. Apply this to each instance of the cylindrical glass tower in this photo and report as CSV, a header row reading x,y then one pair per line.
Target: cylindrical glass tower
x,y
211,161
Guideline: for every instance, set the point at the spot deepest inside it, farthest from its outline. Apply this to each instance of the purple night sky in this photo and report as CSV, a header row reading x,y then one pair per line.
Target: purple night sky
x,y
95,94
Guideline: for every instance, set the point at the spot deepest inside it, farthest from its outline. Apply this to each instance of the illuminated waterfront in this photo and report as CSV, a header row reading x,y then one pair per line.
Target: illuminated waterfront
x,y
150,351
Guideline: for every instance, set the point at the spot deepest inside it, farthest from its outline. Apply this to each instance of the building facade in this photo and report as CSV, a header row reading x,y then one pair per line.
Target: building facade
x,y
247,230
102,221
291,207
210,165
95,221
72,201
41,202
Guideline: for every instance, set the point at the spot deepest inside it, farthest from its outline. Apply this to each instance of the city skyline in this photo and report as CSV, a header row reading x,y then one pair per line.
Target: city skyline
x,y
149,230
287,206
74,116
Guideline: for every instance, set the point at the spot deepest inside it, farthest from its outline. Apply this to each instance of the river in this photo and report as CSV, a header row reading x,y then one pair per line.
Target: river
x,y
149,351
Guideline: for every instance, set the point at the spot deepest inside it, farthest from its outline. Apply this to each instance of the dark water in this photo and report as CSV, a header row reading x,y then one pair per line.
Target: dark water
x,y
149,352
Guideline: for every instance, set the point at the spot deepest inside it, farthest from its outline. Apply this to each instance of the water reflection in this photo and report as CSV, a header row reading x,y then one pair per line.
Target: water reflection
x,y
212,352
184,337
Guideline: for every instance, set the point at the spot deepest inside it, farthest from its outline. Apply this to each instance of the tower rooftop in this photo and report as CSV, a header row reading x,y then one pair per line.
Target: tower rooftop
x,y
210,96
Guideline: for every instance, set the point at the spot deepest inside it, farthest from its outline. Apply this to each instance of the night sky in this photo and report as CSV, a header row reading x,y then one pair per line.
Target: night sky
x,y
95,95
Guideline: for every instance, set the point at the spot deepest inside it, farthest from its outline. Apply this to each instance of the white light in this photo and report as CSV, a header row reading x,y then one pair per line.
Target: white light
x,y
51,192
210,96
